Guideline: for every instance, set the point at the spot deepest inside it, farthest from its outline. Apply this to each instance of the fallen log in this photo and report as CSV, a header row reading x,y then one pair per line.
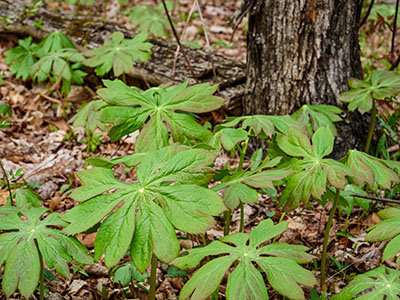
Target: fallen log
x,y
18,19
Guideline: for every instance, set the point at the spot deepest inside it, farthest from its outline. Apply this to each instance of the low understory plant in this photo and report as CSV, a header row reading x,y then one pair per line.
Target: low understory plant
x,y
280,262
27,242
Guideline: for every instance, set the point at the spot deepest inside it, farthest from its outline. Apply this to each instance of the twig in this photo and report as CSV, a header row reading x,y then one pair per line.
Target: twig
x,y
376,198
394,27
5,177
209,50
181,39
366,14
179,42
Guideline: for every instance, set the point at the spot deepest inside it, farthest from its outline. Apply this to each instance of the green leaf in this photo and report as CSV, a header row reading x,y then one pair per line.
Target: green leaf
x,y
239,193
371,170
150,19
24,197
319,116
88,117
118,54
228,138
313,172
165,196
379,283
246,282
380,85
54,42
20,254
22,58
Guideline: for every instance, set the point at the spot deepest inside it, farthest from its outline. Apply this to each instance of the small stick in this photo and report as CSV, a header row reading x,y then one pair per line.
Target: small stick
x,y
179,42
366,14
181,39
209,49
376,198
394,27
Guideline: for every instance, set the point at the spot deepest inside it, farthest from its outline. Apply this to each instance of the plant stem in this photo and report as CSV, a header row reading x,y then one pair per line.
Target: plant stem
x,y
371,127
153,277
5,177
227,221
240,168
326,239
41,271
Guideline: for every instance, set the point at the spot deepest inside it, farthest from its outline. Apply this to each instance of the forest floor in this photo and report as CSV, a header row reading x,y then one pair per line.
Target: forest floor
x,y
41,141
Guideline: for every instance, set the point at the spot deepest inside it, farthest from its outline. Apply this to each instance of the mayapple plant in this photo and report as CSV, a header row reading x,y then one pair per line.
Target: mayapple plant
x,y
362,95
50,59
119,54
143,215
280,262
27,241
130,109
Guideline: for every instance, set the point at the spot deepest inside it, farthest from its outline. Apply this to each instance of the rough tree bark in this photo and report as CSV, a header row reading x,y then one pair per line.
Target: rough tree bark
x,y
303,52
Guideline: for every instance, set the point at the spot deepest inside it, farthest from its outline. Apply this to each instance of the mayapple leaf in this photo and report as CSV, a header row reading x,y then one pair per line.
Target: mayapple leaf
x,y
313,172
21,58
55,64
319,116
379,283
164,197
119,54
228,138
164,113
279,269
371,170
380,84
389,228
88,117
150,19
19,251
25,197
54,42
240,187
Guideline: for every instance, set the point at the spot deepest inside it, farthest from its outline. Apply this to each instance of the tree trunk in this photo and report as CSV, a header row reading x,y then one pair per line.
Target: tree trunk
x,y
302,52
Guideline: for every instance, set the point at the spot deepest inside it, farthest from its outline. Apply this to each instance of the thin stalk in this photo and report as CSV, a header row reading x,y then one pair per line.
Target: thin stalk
x,y
153,277
242,152
326,239
371,127
203,238
41,271
346,224
394,28
5,177
366,14
227,221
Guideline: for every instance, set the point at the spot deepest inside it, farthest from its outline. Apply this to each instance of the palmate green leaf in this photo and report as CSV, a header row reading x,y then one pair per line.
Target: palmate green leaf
x,y
20,254
21,58
319,116
157,110
56,64
240,187
380,283
228,138
26,197
246,282
265,126
149,19
389,228
371,170
147,212
118,54
313,172
380,85
88,117
54,42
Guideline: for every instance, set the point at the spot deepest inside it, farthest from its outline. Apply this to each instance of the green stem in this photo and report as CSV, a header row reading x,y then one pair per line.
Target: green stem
x,y
5,177
346,224
41,271
203,237
242,154
326,239
371,127
153,277
241,217
280,221
227,221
